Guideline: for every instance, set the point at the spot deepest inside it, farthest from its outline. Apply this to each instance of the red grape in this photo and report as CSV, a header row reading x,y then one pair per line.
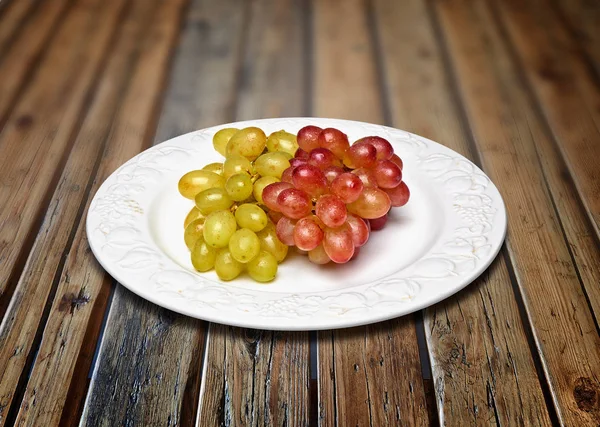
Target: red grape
x,y
271,192
295,162
387,174
398,195
372,203
397,160
361,155
323,158
366,176
355,254
285,230
318,255
331,210
347,187
308,138
378,223
359,229
307,234
335,141
310,179
382,146
286,176
301,154
294,203
274,216
338,244
333,172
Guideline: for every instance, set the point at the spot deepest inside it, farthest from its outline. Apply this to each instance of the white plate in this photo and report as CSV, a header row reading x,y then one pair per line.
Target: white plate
x,y
446,236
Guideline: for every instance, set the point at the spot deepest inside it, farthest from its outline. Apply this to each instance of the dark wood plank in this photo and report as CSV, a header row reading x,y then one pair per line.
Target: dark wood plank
x,y
359,368
506,128
12,16
481,369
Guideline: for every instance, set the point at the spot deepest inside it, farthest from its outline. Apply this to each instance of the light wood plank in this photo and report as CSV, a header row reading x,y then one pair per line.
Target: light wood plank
x,y
482,371
506,128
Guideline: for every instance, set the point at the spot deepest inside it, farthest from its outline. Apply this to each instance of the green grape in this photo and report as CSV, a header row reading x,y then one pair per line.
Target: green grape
x,y
235,164
244,245
272,164
270,242
213,199
251,216
221,139
203,256
214,168
263,268
260,185
193,232
286,154
197,181
191,216
249,142
226,266
239,187
282,141
219,226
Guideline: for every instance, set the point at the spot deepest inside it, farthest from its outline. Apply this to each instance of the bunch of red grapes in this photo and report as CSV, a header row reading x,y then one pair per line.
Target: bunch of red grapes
x,y
334,194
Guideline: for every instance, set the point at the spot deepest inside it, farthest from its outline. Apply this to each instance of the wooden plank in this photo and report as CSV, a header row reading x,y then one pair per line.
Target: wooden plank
x,y
259,377
12,17
482,371
506,129
359,368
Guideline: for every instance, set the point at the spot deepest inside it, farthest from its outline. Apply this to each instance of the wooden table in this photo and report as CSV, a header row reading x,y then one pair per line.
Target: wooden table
x,y
513,85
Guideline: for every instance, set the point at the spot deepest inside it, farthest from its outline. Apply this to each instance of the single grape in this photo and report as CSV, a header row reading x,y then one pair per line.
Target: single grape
x,y
323,158
221,139
244,245
372,203
226,266
308,138
248,142
301,154
335,141
285,230
338,245
239,187
251,216
297,162
271,192
272,164
259,186
378,223
366,176
397,160
294,203
191,216
399,195
263,268
213,199
235,164
307,234
193,232
318,255
282,141
360,155
356,253
214,168
274,216
387,174
287,175
331,210
332,172
197,181
203,256
347,187
219,226
382,146
359,228
270,242
310,179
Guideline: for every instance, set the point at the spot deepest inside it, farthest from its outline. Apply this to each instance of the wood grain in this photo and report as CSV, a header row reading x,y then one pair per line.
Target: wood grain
x,y
12,16
482,371
359,368
505,128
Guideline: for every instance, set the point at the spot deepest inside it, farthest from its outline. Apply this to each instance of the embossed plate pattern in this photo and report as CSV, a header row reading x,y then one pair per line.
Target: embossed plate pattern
x,y
446,236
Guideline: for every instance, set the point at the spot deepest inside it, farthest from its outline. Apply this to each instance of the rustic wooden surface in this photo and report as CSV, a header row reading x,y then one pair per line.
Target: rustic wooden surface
x,y
513,85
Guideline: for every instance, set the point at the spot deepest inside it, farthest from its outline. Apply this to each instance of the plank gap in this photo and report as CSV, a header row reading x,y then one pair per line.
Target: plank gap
x,y
4,10
308,55
313,393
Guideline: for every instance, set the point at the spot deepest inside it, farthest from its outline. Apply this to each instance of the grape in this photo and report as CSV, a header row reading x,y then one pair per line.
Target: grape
x,y
356,252
213,199
244,245
196,181
294,203
221,139
399,195
226,266
359,229
239,187
331,210
335,141
361,155
297,162
338,245
287,175
235,164
318,255
382,146
282,141
270,242
301,154
387,174
260,185
270,193
366,176
308,138
193,232
191,216
307,234
214,168
332,172
263,268
378,223
248,142
251,216
285,230
310,179
372,203
347,187
219,226
274,216
323,158
397,160
272,164
203,256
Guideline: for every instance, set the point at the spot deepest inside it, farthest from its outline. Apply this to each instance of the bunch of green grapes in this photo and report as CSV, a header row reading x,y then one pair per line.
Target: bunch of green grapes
x,y
228,229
